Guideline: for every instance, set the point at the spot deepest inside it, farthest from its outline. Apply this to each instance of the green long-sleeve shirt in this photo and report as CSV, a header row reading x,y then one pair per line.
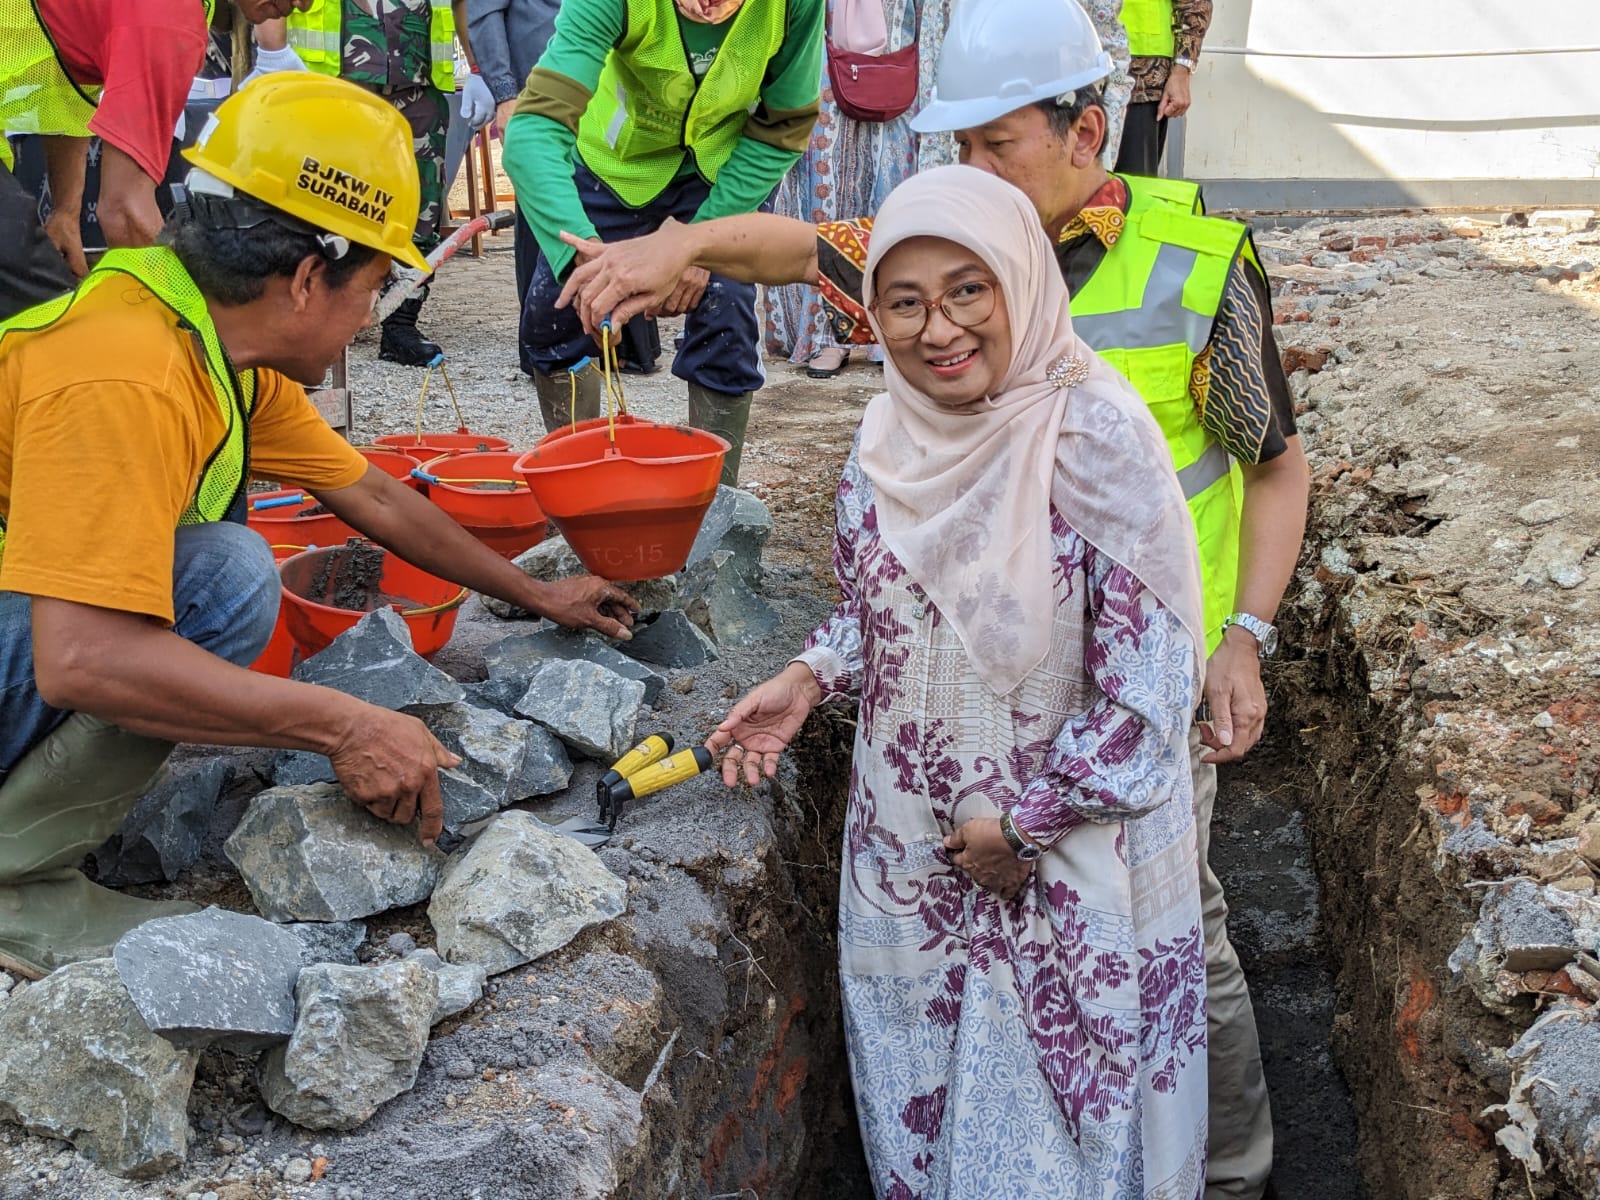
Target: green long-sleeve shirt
x,y
541,139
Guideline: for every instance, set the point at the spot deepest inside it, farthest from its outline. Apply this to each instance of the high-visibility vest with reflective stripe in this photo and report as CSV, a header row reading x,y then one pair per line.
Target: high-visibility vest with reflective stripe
x,y
36,93
648,109
1148,310
219,494
316,36
1149,26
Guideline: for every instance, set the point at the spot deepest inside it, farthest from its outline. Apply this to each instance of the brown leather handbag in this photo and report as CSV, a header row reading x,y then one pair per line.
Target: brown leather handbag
x,y
875,87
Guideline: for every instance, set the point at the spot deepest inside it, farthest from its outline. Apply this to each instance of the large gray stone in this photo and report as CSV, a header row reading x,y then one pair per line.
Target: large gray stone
x,y
161,837
522,654
552,560
593,710
492,748
672,641
460,984
358,1040
309,854
212,977
738,523
546,769
1526,934
500,695
78,1062
374,662
328,941
717,598
519,891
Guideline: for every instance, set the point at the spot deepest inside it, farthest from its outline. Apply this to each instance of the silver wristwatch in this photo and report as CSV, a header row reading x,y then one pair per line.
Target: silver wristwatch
x,y
1026,850
1265,633
1183,61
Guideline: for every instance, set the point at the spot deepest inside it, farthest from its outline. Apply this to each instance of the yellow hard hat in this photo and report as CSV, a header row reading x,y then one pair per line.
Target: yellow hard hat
x,y
322,150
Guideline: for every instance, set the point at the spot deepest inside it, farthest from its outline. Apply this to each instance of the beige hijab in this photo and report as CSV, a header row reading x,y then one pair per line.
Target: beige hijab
x,y
963,494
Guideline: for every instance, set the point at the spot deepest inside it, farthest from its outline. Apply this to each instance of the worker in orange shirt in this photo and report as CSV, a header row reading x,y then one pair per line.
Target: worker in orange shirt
x,y
150,396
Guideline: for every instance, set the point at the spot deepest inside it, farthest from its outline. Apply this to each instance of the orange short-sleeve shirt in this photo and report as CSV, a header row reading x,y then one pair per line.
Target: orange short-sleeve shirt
x,y
107,419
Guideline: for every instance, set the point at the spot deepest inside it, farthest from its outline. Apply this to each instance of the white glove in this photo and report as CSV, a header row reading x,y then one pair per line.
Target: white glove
x,y
271,61
477,102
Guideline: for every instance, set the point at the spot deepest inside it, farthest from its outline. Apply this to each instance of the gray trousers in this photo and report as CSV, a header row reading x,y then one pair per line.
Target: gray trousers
x,y
1239,1161
31,268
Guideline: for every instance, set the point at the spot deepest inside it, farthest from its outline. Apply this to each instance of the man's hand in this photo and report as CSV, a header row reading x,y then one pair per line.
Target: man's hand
x,y
388,763
1175,96
1236,697
691,287
66,234
760,727
589,602
619,280
503,112
981,850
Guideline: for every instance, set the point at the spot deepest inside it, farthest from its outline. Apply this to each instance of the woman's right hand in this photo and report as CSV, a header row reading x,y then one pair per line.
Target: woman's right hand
x,y
760,727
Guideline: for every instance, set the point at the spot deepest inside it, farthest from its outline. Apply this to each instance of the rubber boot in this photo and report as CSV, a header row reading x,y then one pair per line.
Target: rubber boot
x,y
727,417
401,342
67,796
556,402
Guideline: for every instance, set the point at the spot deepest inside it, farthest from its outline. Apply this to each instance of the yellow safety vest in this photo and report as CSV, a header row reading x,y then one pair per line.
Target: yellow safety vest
x,y
220,491
1149,26
36,93
649,110
316,36
1148,310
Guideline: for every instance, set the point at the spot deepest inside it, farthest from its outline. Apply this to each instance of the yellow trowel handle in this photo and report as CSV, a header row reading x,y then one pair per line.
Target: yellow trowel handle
x,y
686,764
647,753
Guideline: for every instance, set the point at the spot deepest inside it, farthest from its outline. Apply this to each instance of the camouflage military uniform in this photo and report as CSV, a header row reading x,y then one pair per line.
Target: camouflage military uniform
x,y
386,52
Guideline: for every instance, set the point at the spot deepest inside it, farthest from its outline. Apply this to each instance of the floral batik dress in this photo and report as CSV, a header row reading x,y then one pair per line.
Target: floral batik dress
x,y
1053,1046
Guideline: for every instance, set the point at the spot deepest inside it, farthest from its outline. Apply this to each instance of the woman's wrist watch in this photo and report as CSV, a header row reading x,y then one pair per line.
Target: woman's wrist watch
x,y
1264,632
1184,61
1026,851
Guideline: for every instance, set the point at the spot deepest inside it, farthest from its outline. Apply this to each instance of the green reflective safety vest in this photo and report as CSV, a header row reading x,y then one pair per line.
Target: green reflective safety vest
x,y
649,111
1148,310
220,491
316,35
1149,26
36,93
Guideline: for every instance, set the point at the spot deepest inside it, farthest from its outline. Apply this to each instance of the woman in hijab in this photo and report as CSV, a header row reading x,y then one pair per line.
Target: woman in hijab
x,y
1019,920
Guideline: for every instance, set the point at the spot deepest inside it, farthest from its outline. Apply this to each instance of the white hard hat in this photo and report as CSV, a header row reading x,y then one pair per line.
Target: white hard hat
x,y
1001,55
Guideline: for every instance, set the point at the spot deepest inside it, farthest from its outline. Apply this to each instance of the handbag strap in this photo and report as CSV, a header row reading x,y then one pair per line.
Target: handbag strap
x,y
916,29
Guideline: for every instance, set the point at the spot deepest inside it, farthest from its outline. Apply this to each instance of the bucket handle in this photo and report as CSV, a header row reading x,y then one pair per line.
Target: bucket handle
x,y
437,360
419,473
611,373
458,599
277,502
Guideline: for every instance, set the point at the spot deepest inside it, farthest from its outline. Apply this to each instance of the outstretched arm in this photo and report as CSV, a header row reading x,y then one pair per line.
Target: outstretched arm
x,y
620,279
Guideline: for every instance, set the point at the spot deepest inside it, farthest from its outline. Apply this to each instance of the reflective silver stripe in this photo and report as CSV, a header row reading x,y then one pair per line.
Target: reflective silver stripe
x,y
303,37
1160,320
618,118
1204,471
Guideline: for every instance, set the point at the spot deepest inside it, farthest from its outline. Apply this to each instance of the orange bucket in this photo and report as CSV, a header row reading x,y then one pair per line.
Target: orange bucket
x,y
489,502
292,518
629,505
591,423
278,656
396,463
327,591
432,445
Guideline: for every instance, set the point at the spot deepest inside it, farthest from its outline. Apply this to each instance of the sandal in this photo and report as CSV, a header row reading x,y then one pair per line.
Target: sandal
x,y
827,362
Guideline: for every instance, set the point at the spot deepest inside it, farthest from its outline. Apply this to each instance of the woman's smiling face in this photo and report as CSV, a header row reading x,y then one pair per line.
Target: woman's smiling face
x,y
951,361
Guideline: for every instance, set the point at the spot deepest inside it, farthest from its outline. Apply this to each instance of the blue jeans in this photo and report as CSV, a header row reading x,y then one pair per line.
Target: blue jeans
x,y
224,595
721,337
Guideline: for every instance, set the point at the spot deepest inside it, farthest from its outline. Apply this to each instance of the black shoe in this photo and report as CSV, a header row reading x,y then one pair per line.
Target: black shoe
x,y
401,342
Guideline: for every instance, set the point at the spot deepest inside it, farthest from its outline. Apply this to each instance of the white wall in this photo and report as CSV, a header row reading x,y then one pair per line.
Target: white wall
x,y
1521,118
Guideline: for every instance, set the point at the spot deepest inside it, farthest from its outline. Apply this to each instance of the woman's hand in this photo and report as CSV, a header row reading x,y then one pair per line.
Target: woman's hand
x,y
981,850
616,281
761,725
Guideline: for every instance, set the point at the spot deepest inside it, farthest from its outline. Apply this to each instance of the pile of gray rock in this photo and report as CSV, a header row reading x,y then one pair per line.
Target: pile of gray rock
x,y
105,1052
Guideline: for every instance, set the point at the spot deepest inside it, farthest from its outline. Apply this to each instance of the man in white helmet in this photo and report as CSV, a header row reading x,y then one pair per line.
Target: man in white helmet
x,y
1175,300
